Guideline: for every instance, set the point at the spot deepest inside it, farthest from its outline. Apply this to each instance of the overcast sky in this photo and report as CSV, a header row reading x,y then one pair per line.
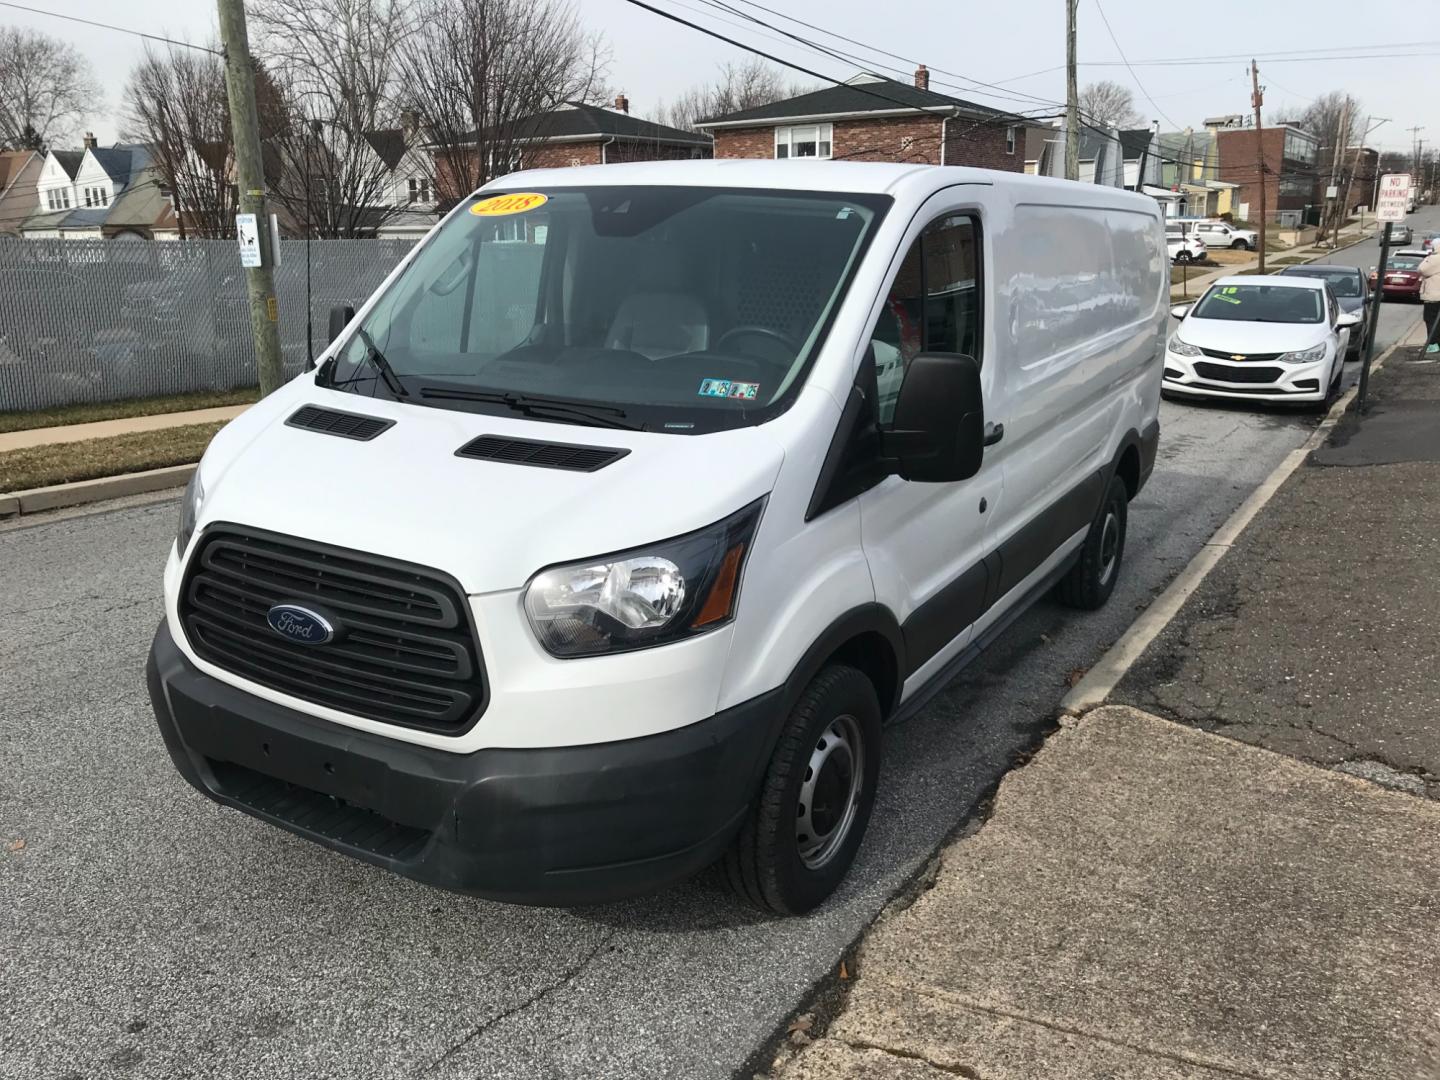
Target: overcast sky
x,y
998,43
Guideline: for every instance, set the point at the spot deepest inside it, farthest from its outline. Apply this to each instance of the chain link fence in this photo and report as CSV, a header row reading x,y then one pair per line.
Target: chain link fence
x,y
100,320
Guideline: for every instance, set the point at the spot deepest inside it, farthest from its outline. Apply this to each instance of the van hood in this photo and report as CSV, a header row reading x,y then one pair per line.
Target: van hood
x,y
1251,337
491,525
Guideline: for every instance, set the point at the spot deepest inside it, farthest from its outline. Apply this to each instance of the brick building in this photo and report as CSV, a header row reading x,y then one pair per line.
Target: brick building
x,y
872,118
1291,167
577,133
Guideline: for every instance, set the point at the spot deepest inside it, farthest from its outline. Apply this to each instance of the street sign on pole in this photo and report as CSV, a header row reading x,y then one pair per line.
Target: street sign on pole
x,y
1394,198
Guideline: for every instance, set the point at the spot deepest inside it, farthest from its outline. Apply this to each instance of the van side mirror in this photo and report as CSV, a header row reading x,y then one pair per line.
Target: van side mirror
x,y
938,434
1179,311
340,316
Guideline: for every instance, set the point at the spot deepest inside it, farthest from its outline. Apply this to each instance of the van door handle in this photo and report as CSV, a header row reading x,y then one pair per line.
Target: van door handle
x,y
993,433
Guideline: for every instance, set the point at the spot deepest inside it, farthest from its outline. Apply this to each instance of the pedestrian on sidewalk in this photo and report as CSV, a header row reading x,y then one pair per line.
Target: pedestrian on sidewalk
x,y
1430,296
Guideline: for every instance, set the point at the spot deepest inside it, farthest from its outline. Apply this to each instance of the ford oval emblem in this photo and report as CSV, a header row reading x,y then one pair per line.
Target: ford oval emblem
x,y
301,625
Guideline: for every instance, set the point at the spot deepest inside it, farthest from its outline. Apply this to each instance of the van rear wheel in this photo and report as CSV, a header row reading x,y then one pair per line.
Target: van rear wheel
x,y
800,837
1091,580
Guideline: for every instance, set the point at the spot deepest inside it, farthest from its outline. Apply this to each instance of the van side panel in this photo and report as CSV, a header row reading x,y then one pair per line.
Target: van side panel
x,y
1079,337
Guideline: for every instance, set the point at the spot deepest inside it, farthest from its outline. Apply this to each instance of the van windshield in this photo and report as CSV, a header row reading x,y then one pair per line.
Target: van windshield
x,y
665,308
1261,303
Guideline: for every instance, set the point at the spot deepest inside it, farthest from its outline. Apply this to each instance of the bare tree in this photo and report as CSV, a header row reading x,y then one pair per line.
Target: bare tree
x,y
1109,104
737,86
46,87
483,77
1327,116
335,68
175,103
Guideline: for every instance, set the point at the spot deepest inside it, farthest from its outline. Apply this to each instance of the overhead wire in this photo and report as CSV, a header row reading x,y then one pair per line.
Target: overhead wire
x,y
111,26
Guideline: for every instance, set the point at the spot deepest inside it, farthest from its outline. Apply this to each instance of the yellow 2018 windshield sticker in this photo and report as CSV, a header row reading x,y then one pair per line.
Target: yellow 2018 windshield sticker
x,y
517,203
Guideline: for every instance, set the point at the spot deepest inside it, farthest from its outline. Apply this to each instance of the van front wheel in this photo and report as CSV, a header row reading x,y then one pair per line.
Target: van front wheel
x,y
1091,580
798,841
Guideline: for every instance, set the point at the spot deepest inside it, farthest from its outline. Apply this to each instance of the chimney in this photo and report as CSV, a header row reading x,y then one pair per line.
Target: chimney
x,y
622,103
90,143
922,78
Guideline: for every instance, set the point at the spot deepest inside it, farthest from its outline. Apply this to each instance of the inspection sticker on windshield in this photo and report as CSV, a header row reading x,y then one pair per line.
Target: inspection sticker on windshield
x,y
517,203
729,388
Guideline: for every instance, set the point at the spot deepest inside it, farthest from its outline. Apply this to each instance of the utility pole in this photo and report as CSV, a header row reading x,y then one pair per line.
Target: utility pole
x,y
1072,97
250,180
1415,146
1341,131
1257,98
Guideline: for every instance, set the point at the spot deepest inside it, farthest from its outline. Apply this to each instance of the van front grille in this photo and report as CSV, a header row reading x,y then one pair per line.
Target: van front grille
x,y
403,651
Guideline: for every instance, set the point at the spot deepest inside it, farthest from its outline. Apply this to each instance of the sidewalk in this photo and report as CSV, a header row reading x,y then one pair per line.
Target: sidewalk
x,y
1196,285
1245,886
22,440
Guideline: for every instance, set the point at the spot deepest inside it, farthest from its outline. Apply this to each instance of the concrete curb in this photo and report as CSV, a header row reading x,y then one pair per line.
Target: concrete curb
x,y
1100,681
18,503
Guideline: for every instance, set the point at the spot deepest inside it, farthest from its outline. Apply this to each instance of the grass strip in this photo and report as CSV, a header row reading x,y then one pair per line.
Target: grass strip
x,y
119,410
63,463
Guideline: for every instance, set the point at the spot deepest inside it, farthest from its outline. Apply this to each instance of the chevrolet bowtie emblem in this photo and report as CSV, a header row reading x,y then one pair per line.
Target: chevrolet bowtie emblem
x,y
1237,356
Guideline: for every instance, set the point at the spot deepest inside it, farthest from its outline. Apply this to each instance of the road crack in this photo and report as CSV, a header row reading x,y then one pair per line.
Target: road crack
x,y
569,976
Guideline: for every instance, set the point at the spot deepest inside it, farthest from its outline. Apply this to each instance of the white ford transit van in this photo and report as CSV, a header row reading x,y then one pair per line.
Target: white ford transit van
x,y
610,531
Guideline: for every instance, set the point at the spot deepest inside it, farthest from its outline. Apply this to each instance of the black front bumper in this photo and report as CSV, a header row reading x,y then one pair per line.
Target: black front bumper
x,y
568,825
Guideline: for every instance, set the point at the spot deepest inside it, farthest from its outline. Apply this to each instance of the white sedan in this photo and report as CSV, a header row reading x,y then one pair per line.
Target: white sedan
x,y
1260,338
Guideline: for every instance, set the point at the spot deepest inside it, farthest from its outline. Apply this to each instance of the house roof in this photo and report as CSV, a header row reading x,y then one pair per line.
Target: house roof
x,y
1093,144
115,160
389,144
12,164
863,94
87,217
577,120
69,160
1135,142
141,204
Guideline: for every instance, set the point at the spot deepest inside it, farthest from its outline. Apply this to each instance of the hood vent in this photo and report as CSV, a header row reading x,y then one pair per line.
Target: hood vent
x,y
333,422
545,455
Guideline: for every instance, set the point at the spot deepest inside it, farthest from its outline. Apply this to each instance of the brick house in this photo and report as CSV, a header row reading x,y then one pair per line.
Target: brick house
x,y
872,118
1291,165
577,133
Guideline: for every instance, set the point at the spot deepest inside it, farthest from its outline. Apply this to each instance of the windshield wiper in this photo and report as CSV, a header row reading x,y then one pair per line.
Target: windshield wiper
x,y
530,405
380,364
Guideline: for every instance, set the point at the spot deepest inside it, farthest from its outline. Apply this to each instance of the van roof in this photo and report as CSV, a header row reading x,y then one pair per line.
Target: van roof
x,y
852,177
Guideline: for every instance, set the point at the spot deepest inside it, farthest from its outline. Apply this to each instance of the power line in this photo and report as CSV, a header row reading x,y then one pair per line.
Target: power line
x,y
111,26
1116,42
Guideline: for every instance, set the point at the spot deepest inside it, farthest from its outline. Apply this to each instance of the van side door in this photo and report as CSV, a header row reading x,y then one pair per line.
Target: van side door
x,y
926,543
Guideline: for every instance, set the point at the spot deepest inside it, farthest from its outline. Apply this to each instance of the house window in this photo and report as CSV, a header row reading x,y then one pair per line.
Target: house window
x,y
1010,140
65,196
504,160
420,189
803,141
87,196
104,194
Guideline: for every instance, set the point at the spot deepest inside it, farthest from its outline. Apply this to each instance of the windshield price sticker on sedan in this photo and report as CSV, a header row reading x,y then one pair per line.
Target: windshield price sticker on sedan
x,y
517,203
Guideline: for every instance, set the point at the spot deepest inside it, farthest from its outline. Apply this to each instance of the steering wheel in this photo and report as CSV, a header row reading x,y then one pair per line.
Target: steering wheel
x,y
770,341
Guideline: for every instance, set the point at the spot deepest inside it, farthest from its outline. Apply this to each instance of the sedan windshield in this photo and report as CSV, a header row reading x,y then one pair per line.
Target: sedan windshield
x,y
1343,282
667,308
1261,303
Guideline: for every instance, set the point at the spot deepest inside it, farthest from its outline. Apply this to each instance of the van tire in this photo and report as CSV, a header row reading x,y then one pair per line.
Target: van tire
x,y
1092,579
764,865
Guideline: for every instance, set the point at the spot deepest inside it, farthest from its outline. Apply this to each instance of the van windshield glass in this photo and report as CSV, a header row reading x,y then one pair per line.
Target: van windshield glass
x,y
668,308
1261,303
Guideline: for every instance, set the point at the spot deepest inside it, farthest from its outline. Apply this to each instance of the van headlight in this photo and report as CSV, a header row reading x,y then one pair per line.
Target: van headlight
x,y
646,596
190,504
1182,348
1307,356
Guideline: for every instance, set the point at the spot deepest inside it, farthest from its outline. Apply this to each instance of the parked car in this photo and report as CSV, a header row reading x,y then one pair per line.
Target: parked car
x,y
562,578
1402,275
1401,233
1221,234
1184,249
1352,292
1280,338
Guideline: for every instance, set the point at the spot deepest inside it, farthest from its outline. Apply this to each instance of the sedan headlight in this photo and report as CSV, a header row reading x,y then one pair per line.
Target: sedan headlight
x,y
647,596
1183,348
190,505
1306,356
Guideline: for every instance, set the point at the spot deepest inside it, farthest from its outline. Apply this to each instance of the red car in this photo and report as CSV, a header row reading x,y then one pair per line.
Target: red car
x,y
1402,277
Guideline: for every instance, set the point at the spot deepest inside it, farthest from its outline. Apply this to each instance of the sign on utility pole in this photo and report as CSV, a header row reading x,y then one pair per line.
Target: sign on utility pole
x,y
255,255
1390,207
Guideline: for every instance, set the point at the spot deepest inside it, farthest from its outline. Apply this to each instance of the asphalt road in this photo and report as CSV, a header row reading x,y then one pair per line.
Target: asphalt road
x,y
150,933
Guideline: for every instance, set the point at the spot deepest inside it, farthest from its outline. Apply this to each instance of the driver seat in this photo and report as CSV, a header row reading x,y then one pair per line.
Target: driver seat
x,y
657,325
